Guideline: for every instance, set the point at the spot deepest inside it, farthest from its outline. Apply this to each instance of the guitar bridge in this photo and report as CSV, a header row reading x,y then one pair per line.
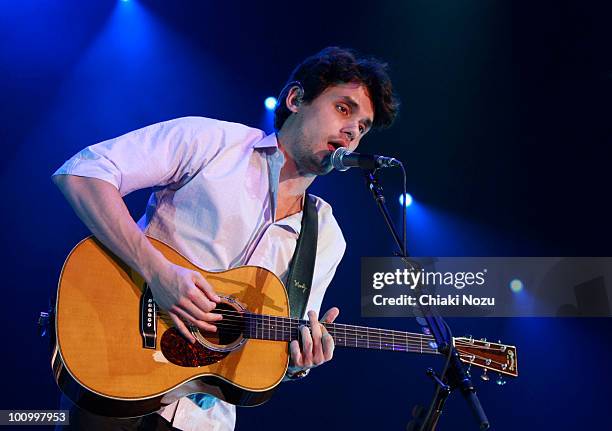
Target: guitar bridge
x,y
148,319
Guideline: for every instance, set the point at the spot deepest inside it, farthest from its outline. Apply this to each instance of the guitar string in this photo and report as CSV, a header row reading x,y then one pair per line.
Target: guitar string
x,y
415,345
382,342
290,324
295,322
348,339
399,340
350,330
418,347
469,357
282,320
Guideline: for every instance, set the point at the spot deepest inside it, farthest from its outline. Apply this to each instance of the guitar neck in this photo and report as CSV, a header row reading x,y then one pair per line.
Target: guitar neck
x,y
276,328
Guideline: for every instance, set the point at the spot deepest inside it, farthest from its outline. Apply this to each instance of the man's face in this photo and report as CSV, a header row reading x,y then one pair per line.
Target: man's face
x,y
338,117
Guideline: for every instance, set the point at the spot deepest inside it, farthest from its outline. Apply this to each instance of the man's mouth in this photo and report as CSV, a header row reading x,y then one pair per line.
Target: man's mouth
x,y
333,146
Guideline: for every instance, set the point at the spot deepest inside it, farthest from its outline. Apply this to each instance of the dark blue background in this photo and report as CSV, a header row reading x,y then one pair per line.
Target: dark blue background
x,y
504,131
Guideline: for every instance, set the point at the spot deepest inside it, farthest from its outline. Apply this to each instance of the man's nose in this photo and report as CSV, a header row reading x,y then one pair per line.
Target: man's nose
x,y
350,132
349,135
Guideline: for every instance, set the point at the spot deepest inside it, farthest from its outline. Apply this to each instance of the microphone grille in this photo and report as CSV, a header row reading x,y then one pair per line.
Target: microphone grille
x,y
336,158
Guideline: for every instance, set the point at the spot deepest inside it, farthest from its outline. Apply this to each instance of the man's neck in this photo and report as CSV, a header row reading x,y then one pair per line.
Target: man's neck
x,y
291,189
292,183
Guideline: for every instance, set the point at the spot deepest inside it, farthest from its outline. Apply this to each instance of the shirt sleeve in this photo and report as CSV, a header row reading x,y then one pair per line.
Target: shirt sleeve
x,y
162,154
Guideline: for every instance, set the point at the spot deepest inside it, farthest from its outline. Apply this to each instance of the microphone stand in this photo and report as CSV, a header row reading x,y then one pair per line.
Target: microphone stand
x,y
454,375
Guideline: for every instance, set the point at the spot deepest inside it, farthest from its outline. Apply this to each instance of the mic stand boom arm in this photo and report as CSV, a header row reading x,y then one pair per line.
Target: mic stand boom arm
x,y
377,191
454,373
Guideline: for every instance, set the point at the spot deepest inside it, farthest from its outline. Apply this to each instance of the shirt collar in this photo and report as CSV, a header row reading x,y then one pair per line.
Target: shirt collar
x,y
269,141
292,222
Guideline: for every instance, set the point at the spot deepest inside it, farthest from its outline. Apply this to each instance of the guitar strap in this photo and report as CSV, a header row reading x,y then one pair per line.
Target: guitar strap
x,y
301,270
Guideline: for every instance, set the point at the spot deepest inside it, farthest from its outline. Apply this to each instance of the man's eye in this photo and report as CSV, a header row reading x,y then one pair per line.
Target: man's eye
x,y
361,129
341,109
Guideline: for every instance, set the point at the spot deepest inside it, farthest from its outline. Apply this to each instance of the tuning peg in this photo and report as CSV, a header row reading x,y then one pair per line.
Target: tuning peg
x,y
500,380
484,376
484,340
426,330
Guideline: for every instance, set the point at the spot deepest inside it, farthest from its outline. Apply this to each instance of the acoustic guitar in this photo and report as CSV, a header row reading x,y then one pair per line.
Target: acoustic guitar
x,y
116,354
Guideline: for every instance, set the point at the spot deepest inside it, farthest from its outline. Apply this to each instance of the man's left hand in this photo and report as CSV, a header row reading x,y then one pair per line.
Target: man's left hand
x,y
317,345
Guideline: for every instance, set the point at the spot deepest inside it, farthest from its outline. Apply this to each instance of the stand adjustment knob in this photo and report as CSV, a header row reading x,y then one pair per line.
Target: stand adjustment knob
x,y
484,376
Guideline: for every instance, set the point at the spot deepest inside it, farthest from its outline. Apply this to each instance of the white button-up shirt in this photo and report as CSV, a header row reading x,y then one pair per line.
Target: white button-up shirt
x,y
215,187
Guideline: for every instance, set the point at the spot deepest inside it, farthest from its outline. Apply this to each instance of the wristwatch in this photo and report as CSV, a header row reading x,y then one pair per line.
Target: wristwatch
x,y
298,374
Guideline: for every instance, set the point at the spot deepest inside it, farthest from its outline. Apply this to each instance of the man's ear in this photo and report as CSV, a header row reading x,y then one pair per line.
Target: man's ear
x,y
294,98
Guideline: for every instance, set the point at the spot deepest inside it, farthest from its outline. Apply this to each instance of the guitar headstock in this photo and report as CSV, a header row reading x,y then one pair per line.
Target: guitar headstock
x,y
488,355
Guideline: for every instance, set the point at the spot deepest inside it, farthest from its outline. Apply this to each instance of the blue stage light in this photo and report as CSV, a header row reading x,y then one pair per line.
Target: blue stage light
x,y
270,103
516,285
408,200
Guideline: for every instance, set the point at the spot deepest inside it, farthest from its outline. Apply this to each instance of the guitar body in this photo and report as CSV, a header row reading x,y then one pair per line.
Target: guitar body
x,y
100,361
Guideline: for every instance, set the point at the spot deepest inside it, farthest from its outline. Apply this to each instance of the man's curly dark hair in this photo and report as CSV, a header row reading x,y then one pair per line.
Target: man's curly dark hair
x,y
334,65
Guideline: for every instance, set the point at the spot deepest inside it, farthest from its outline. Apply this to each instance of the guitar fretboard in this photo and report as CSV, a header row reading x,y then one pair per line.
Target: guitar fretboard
x,y
265,327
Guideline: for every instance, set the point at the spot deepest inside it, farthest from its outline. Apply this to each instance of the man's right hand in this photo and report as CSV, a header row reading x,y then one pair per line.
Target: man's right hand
x,y
187,297
183,293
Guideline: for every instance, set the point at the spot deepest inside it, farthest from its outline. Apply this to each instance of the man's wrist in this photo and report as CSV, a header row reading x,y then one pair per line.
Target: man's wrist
x,y
296,375
156,265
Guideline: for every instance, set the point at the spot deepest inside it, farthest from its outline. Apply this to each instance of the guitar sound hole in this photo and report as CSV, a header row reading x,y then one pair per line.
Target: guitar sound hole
x,y
229,329
212,346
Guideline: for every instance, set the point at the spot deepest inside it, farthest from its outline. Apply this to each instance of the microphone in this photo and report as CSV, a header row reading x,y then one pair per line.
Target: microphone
x,y
342,159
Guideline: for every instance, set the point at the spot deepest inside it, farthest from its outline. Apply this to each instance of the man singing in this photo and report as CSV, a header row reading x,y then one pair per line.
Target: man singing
x,y
226,195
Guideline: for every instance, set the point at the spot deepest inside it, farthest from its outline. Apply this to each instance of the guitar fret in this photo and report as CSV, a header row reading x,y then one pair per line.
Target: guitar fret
x,y
333,332
385,346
